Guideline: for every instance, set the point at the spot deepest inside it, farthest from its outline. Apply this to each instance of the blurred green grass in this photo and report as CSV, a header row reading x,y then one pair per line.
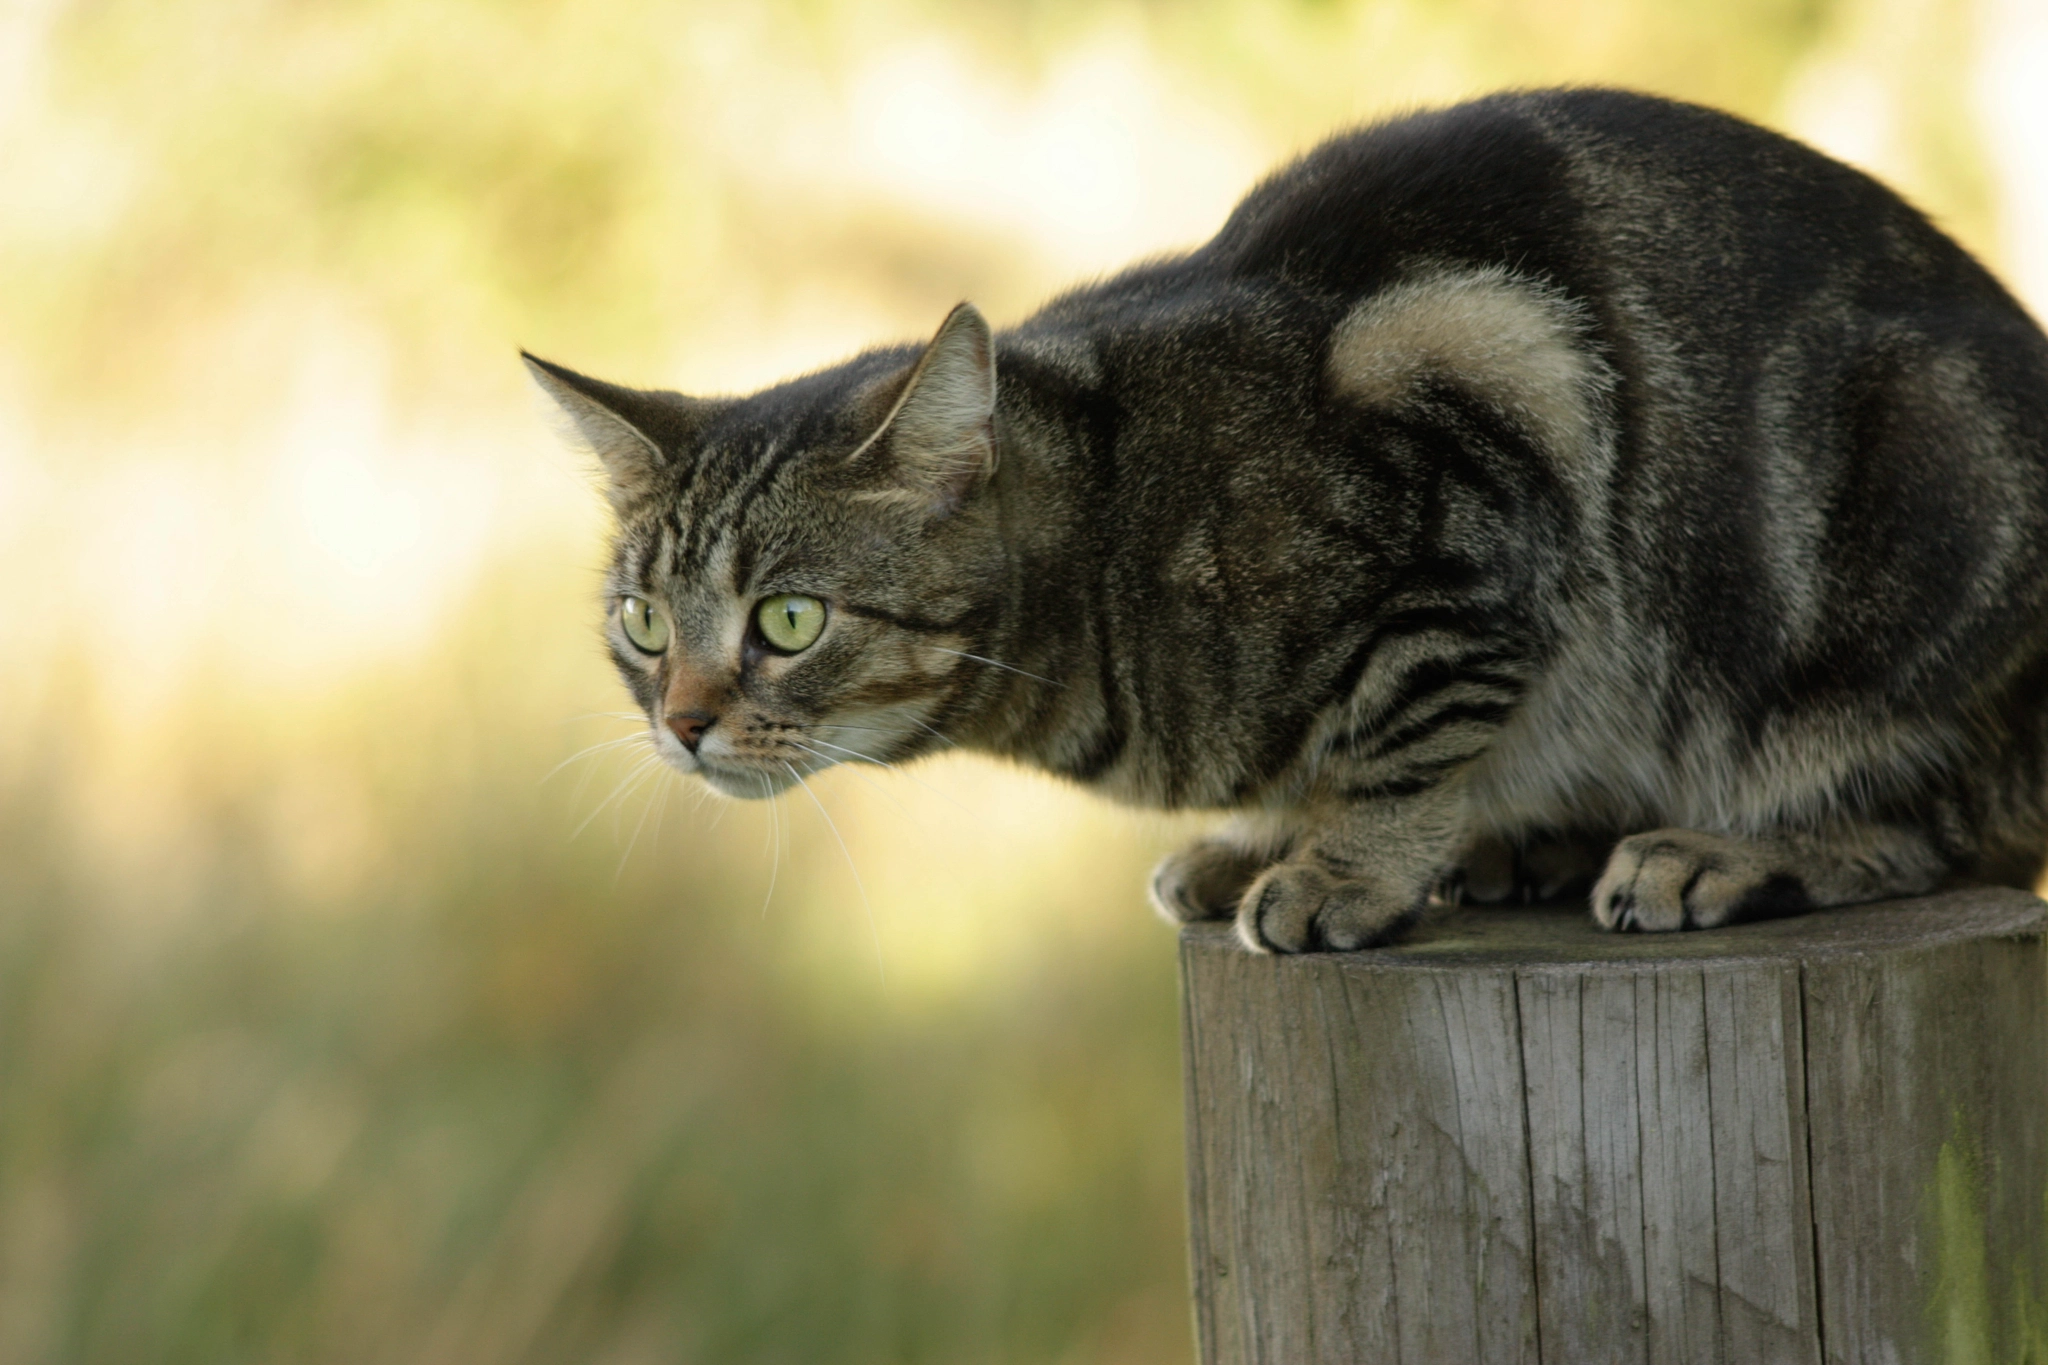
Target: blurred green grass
x,y
336,1024
527,1097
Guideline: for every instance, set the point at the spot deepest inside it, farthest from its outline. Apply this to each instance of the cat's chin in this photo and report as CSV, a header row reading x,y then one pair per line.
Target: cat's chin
x,y
746,784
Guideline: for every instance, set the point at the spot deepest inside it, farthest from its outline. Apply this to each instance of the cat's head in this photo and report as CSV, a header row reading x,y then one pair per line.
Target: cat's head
x,y
801,576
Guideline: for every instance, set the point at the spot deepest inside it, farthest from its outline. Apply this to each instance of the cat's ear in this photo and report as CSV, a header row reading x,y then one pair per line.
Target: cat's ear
x,y
638,435
937,444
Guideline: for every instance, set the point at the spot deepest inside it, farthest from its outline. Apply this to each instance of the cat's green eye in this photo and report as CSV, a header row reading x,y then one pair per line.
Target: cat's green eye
x,y
645,626
790,621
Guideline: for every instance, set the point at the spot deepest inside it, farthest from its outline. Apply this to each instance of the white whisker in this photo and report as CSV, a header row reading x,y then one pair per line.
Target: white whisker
x,y
997,663
916,825
632,778
583,781
881,968
882,730
661,806
775,855
860,776
658,802
946,740
942,738
593,749
841,748
618,790
895,768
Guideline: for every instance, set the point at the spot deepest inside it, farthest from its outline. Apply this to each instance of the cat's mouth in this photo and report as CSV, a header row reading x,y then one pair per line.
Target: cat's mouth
x,y
753,766
741,772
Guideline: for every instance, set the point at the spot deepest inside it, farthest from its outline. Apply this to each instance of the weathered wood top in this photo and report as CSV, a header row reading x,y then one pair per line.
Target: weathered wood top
x,y
1565,935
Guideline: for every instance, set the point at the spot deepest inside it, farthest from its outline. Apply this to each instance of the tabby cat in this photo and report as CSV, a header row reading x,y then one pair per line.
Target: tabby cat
x,y
1566,487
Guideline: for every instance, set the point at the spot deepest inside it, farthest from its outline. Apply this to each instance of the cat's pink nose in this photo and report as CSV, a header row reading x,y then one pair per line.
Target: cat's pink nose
x,y
689,727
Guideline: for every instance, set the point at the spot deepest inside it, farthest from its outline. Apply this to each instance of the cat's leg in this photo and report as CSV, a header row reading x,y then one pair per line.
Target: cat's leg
x,y
1206,879
1683,879
1358,875
1536,867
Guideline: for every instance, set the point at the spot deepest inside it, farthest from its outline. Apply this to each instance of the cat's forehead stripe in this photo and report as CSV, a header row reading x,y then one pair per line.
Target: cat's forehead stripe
x,y
720,561
725,471
644,551
716,525
768,469
670,556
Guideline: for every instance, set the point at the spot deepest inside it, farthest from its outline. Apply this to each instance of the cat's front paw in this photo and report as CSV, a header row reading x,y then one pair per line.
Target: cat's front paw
x,y
1205,880
1297,907
1681,879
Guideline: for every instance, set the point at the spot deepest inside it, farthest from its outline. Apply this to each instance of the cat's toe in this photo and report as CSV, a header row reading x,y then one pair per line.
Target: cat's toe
x,y
1486,874
1559,867
1300,908
1201,882
1493,871
1681,879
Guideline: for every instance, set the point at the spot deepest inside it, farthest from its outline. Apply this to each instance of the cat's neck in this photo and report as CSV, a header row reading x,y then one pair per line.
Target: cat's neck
x,y
1047,692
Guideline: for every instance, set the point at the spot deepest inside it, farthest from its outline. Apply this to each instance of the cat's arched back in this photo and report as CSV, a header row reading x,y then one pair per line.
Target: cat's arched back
x,y
1568,487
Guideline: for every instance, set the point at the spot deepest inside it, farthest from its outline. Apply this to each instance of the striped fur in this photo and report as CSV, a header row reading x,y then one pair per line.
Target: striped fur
x,y
1566,488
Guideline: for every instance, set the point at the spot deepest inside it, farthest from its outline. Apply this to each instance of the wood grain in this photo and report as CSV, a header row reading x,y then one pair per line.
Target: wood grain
x,y
1516,1138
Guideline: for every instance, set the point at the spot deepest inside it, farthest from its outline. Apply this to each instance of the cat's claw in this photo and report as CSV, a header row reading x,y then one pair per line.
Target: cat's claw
x,y
1297,907
1670,879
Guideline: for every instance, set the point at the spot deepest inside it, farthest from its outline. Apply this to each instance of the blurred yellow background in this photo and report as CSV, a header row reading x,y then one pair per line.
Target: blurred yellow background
x,y
359,1002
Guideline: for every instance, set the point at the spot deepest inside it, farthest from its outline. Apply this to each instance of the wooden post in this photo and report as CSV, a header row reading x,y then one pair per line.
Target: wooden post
x,y
1515,1138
